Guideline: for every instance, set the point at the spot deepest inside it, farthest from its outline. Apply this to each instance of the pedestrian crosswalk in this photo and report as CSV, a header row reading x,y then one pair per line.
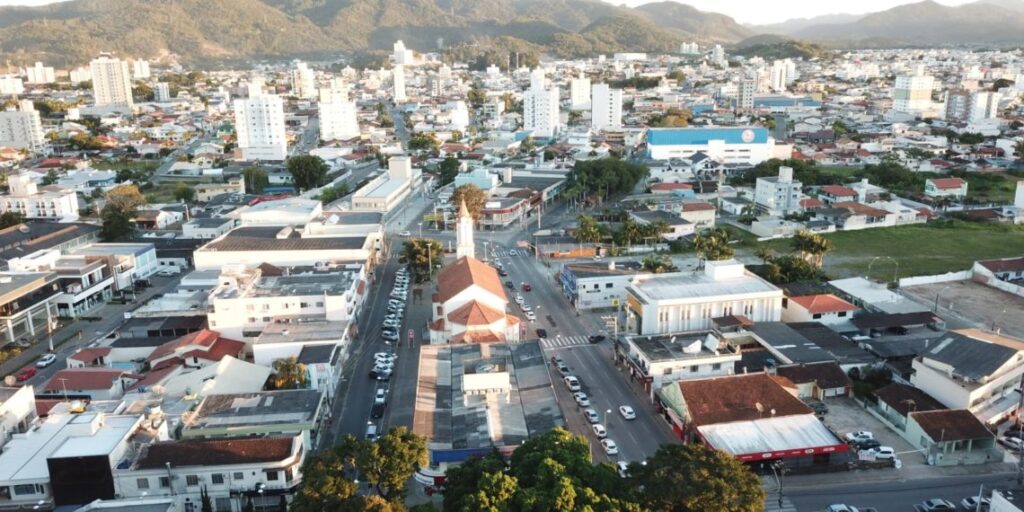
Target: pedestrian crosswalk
x,y
502,252
564,341
771,504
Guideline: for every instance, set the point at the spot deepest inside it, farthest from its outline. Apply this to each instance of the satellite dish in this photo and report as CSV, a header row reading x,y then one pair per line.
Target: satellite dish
x,y
758,406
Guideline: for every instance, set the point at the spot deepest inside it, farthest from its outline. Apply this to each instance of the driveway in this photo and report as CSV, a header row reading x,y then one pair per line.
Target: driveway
x,y
844,415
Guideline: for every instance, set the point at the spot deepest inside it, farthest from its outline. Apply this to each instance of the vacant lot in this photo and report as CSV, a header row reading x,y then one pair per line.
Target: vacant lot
x,y
988,307
921,249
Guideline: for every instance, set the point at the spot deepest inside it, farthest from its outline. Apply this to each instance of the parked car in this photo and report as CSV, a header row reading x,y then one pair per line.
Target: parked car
x,y
531,316
581,399
46,360
818,407
859,435
599,430
622,468
23,343
377,411
510,285
542,333
609,446
572,382
1013,443
371,432
839,507
937,504
973,503
381,397
26,374
881,453
627,412
596,338
591,415
867,444
526,307
503,273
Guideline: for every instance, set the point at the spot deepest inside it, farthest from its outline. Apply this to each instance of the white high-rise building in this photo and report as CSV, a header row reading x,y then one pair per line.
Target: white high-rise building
x,y
745,94
398,79
718,55
22,128
540,106
983,105
444,72
912,94
778,76
579,93
337,115
689,48
11,85
606,108
140,69
39,74
458,114
303,81
80,74
111,82
401,55
259,124
162,92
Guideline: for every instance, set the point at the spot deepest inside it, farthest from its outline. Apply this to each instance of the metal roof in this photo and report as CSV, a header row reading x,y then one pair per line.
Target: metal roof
x,y
698,136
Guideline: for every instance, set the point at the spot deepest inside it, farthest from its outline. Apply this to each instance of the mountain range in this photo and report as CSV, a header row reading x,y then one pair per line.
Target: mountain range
x,y
200,31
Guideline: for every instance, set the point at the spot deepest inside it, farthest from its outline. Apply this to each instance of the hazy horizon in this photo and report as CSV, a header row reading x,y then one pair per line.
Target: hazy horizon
x,y
743,11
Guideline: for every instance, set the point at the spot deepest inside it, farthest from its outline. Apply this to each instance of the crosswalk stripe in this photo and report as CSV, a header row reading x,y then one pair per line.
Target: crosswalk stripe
x,y
564,341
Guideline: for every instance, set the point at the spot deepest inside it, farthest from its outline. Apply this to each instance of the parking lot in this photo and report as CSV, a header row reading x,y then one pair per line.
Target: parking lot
x,y
982,305
845,415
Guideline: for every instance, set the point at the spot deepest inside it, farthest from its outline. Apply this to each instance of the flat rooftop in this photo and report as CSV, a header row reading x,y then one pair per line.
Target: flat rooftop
x,y
302,332
683,286
321,283
672,347
284,407
603,269
64,435
384,188
266,238
451,419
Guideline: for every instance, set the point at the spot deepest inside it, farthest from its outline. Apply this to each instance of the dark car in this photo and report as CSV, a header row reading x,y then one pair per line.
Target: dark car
x,y
596,338
377,411
542,333
527,287
868,444
510,285
502,272
819,407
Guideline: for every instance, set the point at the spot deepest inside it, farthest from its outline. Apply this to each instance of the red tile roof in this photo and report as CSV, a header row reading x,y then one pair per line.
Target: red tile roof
x,y
467,272
947,183
88,355
810,202
203,338
83,379
951,425
823,303
839,191
736,398
475,313
671,186
697,207
215,452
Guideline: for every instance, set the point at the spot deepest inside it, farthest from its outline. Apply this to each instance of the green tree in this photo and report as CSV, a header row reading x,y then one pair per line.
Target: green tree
x,y
142,92
184,193
390,462
695,478
205,503
476,97
474,198
307,171
424,142
575,118
812,247
122,203
604,177
423,255
330,194
672,118
527,145
588,229
659,265
448,169
713,245
256,180
50,178
289,373
10,218
456,136
324,485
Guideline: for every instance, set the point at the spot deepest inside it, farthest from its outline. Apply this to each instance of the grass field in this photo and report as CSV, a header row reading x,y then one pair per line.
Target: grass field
x,y
920,249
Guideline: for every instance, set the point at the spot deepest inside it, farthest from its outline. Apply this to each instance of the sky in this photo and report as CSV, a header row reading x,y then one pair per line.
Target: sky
x,y
756,12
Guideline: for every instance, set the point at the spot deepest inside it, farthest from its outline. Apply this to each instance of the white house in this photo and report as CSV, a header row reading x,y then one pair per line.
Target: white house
x,y
661,359
945,187
825,308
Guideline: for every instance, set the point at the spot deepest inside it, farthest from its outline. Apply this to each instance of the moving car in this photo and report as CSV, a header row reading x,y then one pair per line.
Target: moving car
x,y
46,360
841,508
527,287
609,446
542,333
596,338
510,285
404,233
503,273
627,412
599,430
512,253
622,468
26,374
936,504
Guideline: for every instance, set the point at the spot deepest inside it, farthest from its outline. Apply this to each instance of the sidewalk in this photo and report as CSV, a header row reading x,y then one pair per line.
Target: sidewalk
x,y
77,333
905,474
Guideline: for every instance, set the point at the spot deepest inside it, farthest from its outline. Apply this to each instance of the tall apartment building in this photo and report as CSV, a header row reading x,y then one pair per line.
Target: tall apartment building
x,y
11,85
745,94
303,81
259,124
39,74
162,92
22,128
398,80
337,115
912,94
53,203
779,75
111,82
606,108
579,93
80,74
718,55
540,106
689,48
401,55
778,195
140,69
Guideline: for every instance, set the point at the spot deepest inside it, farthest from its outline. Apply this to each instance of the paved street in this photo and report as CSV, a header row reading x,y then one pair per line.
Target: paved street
x,y
896,495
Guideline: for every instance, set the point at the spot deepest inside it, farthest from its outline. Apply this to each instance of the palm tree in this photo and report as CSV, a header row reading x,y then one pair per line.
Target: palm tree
x,y
289,373
1018,150
765,253
811,246
713,245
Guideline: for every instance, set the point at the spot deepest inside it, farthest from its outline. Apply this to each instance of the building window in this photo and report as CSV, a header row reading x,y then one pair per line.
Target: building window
x,y
668,371
142,483
694,368
785,303
217,478
191,480
238,476
608,285
816,316
266,319
22,490
165,482
252,320
271,476
319,304
303,304
716,366
842,313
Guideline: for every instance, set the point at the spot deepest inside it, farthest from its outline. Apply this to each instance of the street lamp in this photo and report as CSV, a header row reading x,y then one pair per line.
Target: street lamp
x,y
779,470
935,308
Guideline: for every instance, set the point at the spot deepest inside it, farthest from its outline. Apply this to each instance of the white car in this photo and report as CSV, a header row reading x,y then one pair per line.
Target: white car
x,y
404,233
381,397
622,468
972,503
46,360
591,415
526,308
572,382
881,453
609,446
581,399
390,356
599,430
531,316
519,299
860,435
839,507
627,412
512,253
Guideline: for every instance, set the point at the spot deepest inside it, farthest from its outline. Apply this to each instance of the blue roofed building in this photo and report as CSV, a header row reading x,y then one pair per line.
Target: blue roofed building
x,y
742,145
785,103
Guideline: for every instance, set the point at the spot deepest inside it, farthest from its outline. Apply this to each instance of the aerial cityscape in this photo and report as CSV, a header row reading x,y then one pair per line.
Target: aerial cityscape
x,y
511,255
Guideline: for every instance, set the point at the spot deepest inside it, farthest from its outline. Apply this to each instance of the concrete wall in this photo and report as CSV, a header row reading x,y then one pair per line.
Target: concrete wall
x,y
939,278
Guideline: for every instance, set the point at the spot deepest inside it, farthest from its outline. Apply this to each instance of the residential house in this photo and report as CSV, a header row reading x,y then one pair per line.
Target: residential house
x,y
825,308
945,187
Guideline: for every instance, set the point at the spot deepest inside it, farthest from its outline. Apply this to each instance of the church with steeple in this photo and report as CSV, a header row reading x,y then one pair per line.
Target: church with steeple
x,y
464,234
